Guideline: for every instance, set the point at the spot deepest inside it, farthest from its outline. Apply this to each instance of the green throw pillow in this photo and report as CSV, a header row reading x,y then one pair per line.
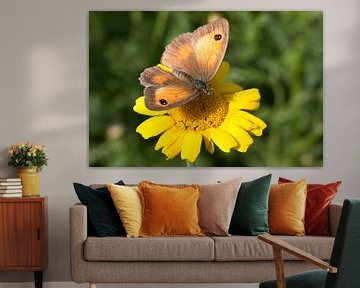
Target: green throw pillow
x,y
250,216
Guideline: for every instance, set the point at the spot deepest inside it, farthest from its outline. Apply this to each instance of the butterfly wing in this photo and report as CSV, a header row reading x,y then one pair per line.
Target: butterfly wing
x,y
199,53
167,97
163,90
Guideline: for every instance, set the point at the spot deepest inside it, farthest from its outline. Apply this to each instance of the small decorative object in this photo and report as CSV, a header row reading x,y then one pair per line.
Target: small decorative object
x,y
10,187
30,158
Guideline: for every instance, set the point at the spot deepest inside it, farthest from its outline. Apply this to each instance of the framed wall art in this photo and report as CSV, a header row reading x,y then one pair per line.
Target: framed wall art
x,y
205,89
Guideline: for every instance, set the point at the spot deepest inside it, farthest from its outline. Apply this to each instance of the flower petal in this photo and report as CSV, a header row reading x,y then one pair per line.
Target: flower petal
x,y
174,149
241,136
191,145
221,74
140,108
250,123
228,88
168,137
154,126
209,145
222,139
247,99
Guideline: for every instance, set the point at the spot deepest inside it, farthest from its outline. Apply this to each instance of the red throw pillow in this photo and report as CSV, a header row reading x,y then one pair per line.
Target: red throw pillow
x,y
319,197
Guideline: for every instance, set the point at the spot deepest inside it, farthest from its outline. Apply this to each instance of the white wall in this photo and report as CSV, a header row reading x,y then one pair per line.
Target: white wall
x,y
44,99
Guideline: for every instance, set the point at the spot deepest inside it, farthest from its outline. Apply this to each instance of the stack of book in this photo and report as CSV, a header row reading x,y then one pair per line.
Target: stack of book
x,y
10,187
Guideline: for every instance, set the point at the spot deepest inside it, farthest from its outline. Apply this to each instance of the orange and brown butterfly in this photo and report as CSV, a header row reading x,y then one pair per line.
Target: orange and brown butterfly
x,y
188,63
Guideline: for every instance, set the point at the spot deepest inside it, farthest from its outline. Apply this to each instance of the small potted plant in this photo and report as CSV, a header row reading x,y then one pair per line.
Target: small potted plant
x,y
30,158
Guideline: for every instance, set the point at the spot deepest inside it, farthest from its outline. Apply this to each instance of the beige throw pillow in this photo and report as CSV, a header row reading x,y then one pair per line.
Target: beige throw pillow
x,y
216,206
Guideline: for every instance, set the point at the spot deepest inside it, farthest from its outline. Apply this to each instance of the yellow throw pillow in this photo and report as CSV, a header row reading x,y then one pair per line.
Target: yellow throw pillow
x,y
287,203
169,210
127,201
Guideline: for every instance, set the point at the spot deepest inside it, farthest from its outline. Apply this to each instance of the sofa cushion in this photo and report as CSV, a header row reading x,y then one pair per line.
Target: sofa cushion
x,y
287,204
245,248
149,249
169,210
318,199
127,201
102,215
216,205
250,215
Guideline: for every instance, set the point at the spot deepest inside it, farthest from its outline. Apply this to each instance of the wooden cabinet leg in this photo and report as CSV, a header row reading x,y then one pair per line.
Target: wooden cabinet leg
x,y
38,279
92,285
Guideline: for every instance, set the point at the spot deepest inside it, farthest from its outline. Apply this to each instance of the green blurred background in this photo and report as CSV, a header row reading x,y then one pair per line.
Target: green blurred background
x,y
281,53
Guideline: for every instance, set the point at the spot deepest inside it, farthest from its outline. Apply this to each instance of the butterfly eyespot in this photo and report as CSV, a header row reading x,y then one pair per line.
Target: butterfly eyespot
x,y
163,102
217,37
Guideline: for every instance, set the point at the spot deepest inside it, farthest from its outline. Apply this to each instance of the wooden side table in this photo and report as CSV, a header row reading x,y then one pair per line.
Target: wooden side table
x,y
23,235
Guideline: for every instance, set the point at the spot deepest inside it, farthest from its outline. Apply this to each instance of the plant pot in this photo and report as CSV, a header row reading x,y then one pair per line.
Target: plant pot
x,y
30,181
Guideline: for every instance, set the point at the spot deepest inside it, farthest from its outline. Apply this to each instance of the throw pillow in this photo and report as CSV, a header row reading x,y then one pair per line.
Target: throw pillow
x,y
102,215
216,206
169,210
250,215
319,197
287,204
127,201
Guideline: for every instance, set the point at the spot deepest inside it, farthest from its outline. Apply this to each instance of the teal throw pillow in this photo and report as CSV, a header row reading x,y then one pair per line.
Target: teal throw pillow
x,y
250,216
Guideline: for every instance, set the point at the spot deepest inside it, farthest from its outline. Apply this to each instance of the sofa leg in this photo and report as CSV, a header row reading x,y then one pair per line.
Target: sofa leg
x,y
92,285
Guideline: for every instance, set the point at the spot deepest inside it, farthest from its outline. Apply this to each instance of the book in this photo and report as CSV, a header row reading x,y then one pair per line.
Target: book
x,y
9,183
10,179
10,187
10,191
5,195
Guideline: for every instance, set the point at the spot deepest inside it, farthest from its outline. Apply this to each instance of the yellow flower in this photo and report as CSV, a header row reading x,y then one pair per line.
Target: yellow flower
x,y
218,119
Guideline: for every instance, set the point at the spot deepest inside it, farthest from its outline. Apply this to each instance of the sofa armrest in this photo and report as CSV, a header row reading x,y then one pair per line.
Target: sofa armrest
x,y
78,234
334,217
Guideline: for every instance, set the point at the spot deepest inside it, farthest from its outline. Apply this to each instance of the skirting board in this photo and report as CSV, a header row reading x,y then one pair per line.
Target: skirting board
x,y
74,285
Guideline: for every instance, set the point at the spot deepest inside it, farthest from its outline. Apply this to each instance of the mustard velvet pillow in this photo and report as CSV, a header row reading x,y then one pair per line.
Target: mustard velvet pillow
x,y
287,204
127,201
169,210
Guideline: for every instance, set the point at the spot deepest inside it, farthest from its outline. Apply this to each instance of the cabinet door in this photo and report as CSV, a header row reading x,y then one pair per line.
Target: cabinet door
x,y
21,234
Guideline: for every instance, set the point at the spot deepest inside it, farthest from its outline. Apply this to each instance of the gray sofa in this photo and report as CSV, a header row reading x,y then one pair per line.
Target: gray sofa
x,y
234,259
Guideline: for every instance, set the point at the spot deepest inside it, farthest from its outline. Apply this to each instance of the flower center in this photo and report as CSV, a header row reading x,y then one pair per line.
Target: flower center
x,y
204,112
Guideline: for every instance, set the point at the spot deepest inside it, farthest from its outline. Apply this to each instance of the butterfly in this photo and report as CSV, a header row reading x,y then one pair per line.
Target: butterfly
x,y
188,64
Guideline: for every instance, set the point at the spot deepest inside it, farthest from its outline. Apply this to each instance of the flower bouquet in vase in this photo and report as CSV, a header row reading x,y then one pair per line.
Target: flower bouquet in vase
x,y
30,158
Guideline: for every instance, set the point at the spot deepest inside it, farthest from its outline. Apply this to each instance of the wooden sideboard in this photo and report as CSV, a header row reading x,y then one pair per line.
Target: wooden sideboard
x,y
23,235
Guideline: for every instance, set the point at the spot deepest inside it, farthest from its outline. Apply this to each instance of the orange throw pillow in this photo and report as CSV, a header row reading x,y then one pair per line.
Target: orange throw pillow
x,y
318,200
287,203
169,210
